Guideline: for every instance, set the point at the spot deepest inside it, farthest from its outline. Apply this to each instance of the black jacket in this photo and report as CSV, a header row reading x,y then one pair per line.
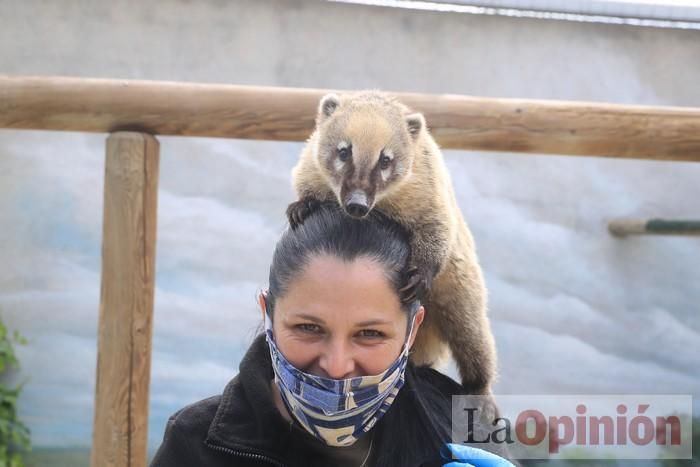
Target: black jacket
x,y
243,428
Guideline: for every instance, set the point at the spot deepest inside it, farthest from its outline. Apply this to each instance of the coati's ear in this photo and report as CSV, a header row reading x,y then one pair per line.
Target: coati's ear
x,y
328,104
416,123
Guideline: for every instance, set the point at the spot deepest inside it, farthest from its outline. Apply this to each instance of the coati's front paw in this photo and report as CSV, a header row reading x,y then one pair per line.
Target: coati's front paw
x,y
298,211
417,286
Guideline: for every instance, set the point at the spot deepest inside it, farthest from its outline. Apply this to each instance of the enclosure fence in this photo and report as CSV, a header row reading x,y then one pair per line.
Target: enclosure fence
x,y
134,112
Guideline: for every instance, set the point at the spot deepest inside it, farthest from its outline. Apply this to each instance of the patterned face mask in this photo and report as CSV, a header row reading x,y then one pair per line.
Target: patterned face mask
x,y
337,411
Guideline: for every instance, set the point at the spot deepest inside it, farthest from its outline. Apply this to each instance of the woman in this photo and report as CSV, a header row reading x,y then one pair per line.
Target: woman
x,y
329,382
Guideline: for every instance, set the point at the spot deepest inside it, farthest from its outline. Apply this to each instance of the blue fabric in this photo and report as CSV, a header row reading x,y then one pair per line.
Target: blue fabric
x,y
468,456
337,411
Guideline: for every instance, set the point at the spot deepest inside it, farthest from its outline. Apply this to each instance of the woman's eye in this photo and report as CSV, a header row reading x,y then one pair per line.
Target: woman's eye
x,y
384,162
344,153
371,333
308,328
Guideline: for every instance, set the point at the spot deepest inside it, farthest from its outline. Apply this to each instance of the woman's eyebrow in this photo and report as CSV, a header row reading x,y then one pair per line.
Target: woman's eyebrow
x,y
372,322
316,319
313,318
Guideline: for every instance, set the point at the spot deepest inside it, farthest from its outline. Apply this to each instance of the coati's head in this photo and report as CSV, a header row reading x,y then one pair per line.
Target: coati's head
x,y
366,147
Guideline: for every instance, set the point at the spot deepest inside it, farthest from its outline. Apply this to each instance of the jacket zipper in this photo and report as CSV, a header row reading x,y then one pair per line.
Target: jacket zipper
x,y
248,455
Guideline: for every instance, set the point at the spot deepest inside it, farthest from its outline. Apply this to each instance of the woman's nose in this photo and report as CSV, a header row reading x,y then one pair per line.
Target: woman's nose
x,y
337,361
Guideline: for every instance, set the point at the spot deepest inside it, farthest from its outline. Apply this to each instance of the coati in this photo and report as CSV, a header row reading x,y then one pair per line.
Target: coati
x,y
369,151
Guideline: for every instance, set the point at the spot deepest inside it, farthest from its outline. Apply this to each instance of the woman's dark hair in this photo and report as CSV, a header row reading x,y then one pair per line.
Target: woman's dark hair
x,y
419,412
329,231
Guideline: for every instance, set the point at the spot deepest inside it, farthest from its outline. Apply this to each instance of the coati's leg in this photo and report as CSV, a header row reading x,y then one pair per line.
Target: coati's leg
x,y
458,301
471,346
298,211
429,247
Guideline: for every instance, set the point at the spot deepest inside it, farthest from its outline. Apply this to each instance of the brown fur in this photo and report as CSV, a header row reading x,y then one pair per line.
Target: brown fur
x,y
418,193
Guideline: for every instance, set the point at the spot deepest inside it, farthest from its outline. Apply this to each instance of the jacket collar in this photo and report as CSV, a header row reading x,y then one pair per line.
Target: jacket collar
x,y
247,418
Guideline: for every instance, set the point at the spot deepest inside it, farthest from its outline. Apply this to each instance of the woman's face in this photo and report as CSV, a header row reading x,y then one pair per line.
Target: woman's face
x,y
340,320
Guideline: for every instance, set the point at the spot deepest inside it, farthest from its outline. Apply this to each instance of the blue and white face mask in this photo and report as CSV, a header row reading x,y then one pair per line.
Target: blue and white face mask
x,y
337,411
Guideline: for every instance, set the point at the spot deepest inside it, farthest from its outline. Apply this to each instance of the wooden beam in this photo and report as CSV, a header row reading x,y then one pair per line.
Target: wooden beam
x,y
624,227
287,114
126,303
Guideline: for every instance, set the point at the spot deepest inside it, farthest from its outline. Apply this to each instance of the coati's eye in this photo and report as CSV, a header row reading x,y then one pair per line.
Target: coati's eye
x,y
384,162
344,153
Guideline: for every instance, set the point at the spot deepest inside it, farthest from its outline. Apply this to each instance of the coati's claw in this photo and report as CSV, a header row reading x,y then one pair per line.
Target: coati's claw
x,y
298,211
417,285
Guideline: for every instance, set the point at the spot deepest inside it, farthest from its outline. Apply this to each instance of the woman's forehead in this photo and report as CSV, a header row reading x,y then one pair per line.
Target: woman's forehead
x,y
328,285
322,270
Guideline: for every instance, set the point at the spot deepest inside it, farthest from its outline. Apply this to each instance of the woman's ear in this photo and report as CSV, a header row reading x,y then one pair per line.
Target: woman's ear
x,y
262,302
417,321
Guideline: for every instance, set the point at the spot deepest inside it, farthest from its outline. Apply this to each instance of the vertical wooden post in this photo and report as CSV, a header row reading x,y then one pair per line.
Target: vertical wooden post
x,y
126,304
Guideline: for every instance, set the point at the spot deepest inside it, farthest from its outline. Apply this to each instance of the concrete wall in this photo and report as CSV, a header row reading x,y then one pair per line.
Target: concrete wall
x,y
573,310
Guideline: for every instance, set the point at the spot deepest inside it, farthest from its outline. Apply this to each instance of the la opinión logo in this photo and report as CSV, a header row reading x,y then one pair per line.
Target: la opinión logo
x,y
623,427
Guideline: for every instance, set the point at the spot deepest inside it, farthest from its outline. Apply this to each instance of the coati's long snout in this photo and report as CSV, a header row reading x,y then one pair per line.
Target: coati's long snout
x,y
357,196
356,204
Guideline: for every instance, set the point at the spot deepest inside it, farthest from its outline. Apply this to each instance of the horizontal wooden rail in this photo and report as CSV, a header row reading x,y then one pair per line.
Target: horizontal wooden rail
x,y
287,114
624,227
